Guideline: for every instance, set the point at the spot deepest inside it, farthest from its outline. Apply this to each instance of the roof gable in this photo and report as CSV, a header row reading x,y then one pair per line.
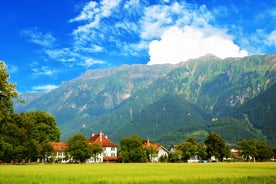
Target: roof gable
x,y
102,140
59,146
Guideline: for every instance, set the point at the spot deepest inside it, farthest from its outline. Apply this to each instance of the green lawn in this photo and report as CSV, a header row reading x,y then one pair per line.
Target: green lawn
x,y
140,173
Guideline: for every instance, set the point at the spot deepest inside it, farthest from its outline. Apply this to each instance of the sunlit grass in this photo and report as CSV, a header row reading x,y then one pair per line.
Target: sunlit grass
x,y
140,173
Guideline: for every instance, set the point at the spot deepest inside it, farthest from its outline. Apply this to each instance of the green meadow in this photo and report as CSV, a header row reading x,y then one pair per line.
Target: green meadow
x,y
140,173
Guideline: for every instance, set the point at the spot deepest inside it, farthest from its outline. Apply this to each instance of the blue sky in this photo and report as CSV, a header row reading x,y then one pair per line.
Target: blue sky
x,y
46,42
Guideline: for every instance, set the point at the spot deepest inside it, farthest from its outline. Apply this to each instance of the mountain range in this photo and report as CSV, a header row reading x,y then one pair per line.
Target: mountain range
x,y
234,97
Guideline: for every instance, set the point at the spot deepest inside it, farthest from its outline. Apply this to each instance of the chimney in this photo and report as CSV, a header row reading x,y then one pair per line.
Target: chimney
x,y
101,133
92,135
106,136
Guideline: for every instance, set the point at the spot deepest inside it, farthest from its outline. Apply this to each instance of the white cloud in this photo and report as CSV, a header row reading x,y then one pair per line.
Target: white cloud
x,y
159,18
44,88
39,38
93,13
272,38
42,70
181,44
90,61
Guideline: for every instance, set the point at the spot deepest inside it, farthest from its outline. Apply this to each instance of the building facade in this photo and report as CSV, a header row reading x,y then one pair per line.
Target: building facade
x,y
109,153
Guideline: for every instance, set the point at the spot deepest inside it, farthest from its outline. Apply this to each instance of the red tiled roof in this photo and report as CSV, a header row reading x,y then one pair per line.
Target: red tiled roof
x,y
59,146
148,144
102,140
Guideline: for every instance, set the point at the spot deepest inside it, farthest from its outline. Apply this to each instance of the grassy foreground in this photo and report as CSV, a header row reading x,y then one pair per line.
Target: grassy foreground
x,y
140,173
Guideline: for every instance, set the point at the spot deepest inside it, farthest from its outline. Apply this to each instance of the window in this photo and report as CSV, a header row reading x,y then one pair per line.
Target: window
x,y
113,154
112,148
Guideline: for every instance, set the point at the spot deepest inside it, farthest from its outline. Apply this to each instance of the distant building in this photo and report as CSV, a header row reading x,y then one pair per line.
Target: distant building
x,y
109,148
59,154
161,151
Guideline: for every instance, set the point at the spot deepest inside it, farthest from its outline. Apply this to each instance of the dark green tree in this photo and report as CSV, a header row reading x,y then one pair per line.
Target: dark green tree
x,y
43,131
202,151
79,148
215,146
188,149
131,150
12,132
247,148
274,152
264,152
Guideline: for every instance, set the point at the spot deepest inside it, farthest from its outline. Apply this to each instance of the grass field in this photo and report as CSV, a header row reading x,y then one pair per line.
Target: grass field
x,y
140,173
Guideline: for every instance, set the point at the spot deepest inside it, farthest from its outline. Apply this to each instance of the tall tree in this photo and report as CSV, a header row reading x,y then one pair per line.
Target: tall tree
x,y
264,152
188,149
43,131
7,92
131,150
215,146
79,148
247,149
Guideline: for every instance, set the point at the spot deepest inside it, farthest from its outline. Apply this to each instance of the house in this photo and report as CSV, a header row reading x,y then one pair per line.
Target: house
x,y
59,154
161,151
109,148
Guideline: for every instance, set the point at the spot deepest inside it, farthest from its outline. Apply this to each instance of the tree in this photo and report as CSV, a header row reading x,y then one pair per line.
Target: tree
x,y
42,131
79,148
215,146
7,92
175,156
150,152
247,149
254,149
188,149
95,149
131,150
202,151
264,152
274,152
13,132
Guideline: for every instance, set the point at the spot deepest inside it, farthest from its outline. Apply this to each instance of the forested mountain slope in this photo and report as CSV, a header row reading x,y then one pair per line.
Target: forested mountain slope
x,y
109,99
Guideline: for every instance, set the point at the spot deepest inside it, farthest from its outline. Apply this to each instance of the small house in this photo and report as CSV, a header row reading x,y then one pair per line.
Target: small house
x,y
59,151
161,151
109,148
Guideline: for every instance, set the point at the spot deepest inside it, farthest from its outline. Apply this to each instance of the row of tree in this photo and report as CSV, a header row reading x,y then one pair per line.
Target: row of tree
x,y
214,146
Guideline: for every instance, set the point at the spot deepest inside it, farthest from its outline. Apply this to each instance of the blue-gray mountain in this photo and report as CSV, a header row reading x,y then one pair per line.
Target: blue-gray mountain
x,y
154,101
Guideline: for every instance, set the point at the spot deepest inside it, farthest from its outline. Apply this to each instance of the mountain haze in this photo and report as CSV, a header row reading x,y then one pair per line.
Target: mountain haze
x,y
141,99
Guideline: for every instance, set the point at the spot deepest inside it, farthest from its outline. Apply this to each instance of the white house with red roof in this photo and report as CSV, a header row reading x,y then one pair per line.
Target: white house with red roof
x,y
161,151
59,149
109,153
109,148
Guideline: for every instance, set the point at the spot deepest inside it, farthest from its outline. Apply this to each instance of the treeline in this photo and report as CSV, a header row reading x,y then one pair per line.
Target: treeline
x,y
214,146
24,136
